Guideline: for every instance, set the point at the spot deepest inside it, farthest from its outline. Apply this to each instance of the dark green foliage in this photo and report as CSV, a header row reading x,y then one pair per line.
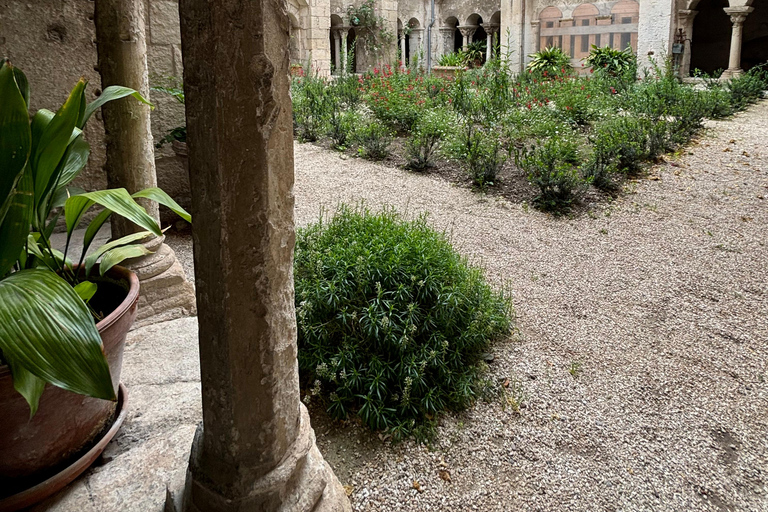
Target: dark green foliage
x,y
341,127
391,320
374,140
453,59
552,168
311,107
609,62
748,88
425,139
623,142
549,62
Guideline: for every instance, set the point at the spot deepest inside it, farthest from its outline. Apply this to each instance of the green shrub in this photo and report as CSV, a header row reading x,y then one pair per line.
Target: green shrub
x,y
550,62
311,106
453,59
392,321
374,140
341,127
425,139
552,168
747,88
609,62
622,141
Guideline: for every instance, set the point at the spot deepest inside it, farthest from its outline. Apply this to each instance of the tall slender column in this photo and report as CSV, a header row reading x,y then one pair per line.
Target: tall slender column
x,y
337,54
490,30
255,449
403,55
122,54
738,16
685,21
344,53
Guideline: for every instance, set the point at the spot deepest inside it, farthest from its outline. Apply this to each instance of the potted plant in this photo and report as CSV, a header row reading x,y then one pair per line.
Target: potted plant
x,y
450,65
62,324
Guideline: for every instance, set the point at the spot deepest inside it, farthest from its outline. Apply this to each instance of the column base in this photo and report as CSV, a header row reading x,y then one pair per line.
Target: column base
x,y
165,293
731,73
303,482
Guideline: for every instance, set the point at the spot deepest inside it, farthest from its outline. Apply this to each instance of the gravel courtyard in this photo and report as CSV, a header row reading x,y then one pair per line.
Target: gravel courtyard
x,y
641,359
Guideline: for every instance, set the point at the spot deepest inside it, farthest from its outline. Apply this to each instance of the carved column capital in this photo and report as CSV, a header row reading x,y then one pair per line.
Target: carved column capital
x,y
467,30
738,14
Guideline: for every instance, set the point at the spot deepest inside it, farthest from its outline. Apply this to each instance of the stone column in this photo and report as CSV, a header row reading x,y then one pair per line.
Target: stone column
x,y
535,43
490,30
344,65
414,42
685,21
255,450
738,16
467,31
337,47
122,56
446,40
403,55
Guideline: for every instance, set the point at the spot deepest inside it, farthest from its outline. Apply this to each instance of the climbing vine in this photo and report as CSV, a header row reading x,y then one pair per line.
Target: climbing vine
x,y
375,34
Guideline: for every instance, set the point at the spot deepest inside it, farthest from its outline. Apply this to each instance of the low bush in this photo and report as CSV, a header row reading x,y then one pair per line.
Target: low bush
x,y
341,127
457,59
622,141
424,141
549,62
612,63
747,88
552,168
392,321
311,107
373,139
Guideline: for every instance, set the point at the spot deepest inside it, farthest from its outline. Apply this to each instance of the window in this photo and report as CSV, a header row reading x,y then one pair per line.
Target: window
x,y
573,45
626,21
550,24
626,40
550,41
597,40
584,44
584,23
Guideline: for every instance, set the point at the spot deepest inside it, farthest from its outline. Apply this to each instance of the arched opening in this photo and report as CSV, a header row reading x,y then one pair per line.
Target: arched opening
x,y
496,39
549,22
336,48
711,41
294,40
454,40
412,42
624,18
584,15
754,49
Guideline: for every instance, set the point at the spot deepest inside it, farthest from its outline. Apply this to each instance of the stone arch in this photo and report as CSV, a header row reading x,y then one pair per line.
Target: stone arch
x,y
352,50
754,49
337,49
413,41
453,40
298,29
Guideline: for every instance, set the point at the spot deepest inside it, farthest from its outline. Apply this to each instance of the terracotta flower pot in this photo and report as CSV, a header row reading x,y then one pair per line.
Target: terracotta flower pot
x,y
66,423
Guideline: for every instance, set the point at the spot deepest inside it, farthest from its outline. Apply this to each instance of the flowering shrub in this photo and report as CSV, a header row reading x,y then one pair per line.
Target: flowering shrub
x,y
425,139
374,139
552,167
392,321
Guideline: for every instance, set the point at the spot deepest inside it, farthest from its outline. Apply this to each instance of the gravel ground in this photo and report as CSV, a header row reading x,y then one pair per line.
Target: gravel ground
x,y
641,358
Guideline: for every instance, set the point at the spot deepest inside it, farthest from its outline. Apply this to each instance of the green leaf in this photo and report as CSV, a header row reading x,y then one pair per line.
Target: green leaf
x,y
118,255
120,202
15,226
29,386
157,194
62,194
53,143
91,231
93,258
41,252
113,92
74,160
23,83
85,290
15,135
46,328
74,209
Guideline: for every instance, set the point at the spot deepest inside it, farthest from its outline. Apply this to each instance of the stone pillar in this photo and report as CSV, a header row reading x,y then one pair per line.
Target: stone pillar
x,y
655,31
512,32
467,31
255,450
738,16
685,21
414,42
535,43
403,55
446,40
337,47
122,55
490,30
344,64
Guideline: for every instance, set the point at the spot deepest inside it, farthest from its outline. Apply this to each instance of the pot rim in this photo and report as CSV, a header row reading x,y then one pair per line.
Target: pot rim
x,y
122,274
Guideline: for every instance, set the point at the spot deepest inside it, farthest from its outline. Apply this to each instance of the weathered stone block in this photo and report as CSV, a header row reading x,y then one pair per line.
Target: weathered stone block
x,y
164,22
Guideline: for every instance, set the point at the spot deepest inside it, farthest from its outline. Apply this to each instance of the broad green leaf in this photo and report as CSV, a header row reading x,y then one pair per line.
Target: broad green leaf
x,y
23,83
51,225
91,231
54,141
74,209
14,228
120,202
118,255
113,92
46,328
85,290
41,251
93,258
40,122
157,194
63,193
29,386
74,160
15,135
